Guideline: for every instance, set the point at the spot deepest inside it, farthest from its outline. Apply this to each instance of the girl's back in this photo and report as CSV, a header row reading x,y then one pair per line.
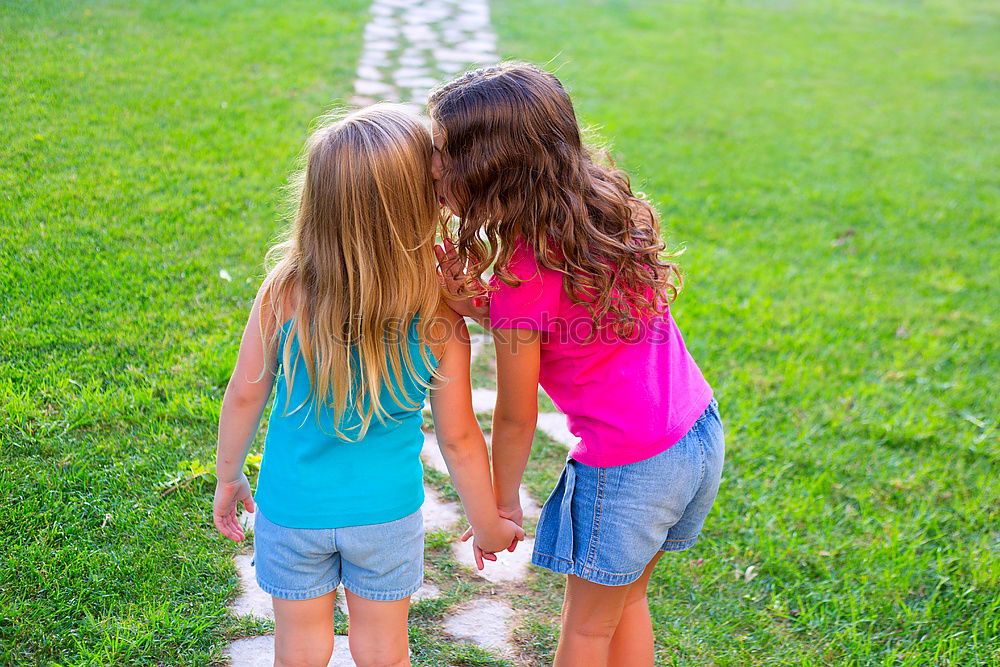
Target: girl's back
x,y
625,397
313,477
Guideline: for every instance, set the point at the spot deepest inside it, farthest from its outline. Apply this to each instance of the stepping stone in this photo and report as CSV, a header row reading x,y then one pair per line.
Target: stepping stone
x,y
451,68
368,73
507,567
409,73
417,31
369,87
413,59
485,623
360,101
529,508
478,342
431,453
380,44
259,652
419,86
554,425
252,601
478,45
438,514
379,32
483,400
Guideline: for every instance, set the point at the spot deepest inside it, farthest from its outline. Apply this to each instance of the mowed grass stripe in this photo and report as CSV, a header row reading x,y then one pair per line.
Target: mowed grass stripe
x,y
829,167
143,149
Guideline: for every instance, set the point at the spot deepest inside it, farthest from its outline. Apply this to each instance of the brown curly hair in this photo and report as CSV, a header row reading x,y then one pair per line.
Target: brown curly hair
x,y
516,168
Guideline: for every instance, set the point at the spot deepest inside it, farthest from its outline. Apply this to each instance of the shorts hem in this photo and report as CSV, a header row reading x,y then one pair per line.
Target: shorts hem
x,y
593,575
286,594
383,596
679,545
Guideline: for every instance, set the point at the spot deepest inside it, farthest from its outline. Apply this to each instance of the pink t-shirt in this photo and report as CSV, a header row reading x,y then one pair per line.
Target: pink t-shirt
x,y
625,400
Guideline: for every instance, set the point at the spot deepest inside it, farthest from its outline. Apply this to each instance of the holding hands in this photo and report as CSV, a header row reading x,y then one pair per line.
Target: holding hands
x,y
485,548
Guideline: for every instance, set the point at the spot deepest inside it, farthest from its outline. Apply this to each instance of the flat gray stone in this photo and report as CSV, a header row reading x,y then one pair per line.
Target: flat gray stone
x,y
368,73
417,31
410,73
381,31
418,84
485,623
259,652
484,400
529,508
438,514
369,87
554,425
431,453
380,44
252,601
413,59
451,67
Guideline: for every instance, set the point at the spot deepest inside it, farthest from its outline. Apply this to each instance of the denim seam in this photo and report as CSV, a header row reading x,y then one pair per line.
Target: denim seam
x,y
382,596
289,594
562,560
681,545
595,535
699,428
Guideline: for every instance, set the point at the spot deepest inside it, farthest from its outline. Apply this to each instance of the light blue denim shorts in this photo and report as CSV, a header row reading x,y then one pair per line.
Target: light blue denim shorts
x,y
605,524
382,561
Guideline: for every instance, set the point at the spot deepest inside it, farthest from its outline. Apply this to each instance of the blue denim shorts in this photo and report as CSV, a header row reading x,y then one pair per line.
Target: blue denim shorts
x,y
382,561
605,524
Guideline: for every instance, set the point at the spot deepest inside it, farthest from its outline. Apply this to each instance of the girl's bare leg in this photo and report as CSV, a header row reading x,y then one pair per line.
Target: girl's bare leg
x,y
606,626
378,632
589,618
303,631
632,644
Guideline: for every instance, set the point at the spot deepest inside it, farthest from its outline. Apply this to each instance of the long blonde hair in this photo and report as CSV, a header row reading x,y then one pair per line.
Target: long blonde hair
x,y
358,263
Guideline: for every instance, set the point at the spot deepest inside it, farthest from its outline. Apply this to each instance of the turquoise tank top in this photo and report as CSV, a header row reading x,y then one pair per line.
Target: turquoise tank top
x,y
311,478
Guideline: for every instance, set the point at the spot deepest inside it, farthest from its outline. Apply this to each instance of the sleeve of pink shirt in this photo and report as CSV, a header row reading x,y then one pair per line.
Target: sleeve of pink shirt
x,y
534,304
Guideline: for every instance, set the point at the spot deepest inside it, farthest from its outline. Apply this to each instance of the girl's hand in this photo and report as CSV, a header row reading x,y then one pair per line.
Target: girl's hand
x,y
485,547
227,496
514,515
453,281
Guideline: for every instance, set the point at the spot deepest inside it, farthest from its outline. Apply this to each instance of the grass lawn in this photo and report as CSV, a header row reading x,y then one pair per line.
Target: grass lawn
x,y
832,168
142,149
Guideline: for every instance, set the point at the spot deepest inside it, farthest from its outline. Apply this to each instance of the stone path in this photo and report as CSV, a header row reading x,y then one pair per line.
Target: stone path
x,y
412,45
409,47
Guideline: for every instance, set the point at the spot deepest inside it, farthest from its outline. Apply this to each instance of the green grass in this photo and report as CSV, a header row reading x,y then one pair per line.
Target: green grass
x,y
142,150
831,169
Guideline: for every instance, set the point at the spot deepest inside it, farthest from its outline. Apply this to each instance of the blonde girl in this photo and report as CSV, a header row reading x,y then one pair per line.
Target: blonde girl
x,y
578,303
349,326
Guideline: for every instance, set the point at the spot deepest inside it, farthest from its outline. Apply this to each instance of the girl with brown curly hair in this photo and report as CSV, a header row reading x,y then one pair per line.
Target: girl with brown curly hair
x,y
579,303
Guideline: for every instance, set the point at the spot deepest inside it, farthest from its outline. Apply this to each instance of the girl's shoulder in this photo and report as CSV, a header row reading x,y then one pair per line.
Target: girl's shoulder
x,y
277,300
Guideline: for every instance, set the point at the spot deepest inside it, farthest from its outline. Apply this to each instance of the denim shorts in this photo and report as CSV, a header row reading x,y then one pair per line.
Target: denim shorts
x,y
382,561
605,524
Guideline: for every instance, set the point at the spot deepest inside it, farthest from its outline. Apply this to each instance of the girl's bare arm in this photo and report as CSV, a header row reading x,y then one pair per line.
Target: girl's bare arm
x,y
461,439
518,352
246,396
